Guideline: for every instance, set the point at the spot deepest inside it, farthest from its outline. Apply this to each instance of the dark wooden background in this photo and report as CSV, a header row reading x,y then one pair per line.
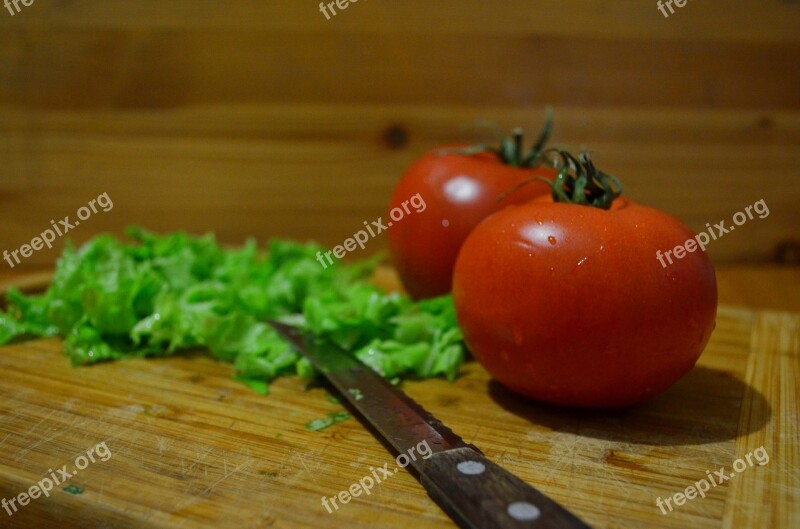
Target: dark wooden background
x,y
262,118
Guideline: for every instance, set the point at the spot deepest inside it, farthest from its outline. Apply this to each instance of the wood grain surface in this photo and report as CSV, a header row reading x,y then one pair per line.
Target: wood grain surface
x,y
192,448
264,118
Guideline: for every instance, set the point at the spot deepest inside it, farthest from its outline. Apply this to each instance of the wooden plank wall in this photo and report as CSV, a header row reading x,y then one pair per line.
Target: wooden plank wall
x,y
263,118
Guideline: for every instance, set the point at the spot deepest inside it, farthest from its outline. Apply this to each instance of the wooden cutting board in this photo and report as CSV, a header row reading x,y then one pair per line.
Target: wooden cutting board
x,y
191,448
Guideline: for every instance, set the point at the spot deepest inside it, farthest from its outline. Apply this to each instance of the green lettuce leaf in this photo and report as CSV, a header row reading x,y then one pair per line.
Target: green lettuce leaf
x,y
164,294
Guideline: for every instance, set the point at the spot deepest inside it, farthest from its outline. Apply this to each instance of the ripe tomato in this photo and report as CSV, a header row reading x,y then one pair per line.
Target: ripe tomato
x,y
460,188
569,304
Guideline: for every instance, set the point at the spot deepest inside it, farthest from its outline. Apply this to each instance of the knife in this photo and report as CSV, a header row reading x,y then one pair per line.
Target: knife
x,y
473,491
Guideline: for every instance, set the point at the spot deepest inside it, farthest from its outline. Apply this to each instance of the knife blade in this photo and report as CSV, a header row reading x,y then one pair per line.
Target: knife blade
x,y
473,491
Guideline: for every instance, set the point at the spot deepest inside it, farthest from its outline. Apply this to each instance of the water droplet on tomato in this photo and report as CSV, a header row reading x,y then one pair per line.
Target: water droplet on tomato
x,y
551,240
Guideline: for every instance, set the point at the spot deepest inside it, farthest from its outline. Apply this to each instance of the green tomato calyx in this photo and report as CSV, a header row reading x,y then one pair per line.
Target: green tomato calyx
x,y
511,150
577,181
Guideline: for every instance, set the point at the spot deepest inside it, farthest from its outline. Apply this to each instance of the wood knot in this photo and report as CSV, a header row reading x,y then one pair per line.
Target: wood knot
x,y
788,252
765,123
395,136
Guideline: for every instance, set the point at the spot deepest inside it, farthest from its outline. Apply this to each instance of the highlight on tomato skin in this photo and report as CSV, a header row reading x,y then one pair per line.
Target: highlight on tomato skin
x,y
566,303
461,186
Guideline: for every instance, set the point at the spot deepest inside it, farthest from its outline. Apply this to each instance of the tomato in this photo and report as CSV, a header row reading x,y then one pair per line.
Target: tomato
x,y
569,304
459,190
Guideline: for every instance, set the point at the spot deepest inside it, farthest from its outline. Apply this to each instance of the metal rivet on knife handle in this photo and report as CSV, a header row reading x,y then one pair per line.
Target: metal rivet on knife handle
x,y
479,494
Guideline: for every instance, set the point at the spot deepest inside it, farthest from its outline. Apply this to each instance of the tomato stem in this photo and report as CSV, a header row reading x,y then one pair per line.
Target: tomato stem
x,y
578,181
511,150
517,135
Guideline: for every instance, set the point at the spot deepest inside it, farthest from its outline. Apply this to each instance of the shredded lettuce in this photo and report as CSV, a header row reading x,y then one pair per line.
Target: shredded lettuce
x,y
163,294
333,418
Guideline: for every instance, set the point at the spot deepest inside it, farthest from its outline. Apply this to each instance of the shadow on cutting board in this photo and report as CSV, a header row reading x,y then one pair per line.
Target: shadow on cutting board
x,y
703,407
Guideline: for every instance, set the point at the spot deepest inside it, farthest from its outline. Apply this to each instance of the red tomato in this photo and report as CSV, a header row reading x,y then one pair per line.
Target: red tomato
x,y
459,190
569,304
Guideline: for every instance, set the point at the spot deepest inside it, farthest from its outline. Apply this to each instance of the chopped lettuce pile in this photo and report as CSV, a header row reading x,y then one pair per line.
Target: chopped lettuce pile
x,y
164,294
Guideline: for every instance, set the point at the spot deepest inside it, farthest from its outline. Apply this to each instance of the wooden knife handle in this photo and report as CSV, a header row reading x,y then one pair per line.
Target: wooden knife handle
x,y
479,494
